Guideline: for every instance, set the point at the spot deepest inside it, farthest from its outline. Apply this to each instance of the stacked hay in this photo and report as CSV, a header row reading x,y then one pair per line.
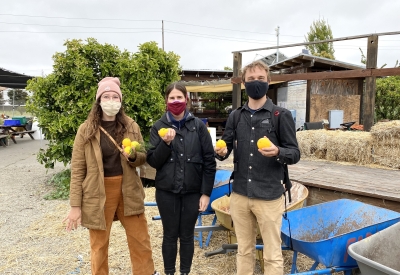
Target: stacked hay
x,y
312,143
349,146
386,137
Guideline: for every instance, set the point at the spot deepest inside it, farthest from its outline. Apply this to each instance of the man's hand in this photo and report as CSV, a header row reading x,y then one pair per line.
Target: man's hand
x,y
271,151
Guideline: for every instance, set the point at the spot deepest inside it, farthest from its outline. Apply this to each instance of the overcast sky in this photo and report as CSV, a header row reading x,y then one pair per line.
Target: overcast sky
x,y
203,33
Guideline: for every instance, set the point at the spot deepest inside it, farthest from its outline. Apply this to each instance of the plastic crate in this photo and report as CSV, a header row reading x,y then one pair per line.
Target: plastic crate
x,y
378,254
22,119
12,122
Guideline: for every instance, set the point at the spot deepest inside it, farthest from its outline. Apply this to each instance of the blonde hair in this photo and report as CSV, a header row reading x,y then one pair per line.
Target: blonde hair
x,y
255,64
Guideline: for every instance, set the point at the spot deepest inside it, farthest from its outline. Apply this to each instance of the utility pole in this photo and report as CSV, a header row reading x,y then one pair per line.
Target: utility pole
x,y
162,22
277,44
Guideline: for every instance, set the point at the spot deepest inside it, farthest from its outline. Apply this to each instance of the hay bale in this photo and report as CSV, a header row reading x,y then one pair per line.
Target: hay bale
x,y
350,146
387,132
387,156
312,143
386,136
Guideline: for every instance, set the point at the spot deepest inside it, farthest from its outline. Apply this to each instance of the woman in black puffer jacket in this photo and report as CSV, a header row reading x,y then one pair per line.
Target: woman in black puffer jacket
x,y
185,164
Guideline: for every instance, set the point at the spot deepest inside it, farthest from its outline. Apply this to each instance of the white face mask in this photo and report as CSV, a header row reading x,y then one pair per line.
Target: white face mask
x,y
111,108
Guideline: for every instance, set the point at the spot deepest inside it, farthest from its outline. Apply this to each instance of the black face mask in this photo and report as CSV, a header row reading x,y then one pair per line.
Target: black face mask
x,y
256,89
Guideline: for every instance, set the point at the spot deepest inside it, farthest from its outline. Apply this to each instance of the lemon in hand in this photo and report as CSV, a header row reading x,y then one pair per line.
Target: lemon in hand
x,y
263,143
162,132
135,144
126,142
220,143
128,150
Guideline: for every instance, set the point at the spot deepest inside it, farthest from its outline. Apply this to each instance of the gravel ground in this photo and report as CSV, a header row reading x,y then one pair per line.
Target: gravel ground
x,y
33,239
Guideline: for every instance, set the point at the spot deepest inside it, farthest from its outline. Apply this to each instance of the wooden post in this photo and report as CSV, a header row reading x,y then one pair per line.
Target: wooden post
x,y
308,98
368,96
237,88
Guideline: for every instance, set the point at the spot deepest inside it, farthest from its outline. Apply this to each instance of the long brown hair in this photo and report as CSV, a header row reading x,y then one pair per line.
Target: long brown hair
x,y
94,122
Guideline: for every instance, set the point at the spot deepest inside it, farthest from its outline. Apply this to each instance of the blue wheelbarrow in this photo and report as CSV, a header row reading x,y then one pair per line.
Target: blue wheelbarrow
x,y
323,232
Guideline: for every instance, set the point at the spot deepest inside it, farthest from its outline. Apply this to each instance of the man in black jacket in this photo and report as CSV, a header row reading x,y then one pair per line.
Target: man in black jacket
x,y
259,173
184,160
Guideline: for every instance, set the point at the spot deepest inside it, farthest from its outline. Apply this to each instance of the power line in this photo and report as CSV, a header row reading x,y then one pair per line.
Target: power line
x,y
208,27
136,20
77,18
85,27
78,32
214,36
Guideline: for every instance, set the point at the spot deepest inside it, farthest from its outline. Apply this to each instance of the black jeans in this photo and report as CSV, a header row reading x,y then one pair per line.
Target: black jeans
x,y
179,214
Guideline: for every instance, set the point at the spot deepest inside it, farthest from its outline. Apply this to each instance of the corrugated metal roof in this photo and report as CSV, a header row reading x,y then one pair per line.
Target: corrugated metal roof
x,y
14,80
319,62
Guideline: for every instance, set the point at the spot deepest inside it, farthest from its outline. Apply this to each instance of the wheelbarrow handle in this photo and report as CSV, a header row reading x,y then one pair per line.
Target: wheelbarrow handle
x,y
215,252
226,248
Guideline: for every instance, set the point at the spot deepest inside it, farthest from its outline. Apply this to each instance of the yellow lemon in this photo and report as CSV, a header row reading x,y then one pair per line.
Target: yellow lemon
x,y
128,150
135,145
126,142
220,144
263,143
163,131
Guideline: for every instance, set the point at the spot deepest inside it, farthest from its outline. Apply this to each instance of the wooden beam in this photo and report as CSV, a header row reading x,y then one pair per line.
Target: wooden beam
x,y
297,60
289,63
320,41
368,97
308,99
202,78
236,89
307,64
337,74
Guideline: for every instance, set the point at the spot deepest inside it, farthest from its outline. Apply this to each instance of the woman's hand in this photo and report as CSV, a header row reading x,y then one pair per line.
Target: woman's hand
x,y
73,218
132,155
221,151
169,136
203,203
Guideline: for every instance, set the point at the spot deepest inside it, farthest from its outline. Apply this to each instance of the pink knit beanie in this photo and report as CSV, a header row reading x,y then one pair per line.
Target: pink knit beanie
x,y
109,84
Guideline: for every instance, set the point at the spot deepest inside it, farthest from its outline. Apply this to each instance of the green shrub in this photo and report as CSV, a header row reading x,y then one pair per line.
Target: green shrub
x,y
60,182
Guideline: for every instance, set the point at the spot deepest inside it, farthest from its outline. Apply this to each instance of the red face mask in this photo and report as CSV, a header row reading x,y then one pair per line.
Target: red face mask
x,y
176,107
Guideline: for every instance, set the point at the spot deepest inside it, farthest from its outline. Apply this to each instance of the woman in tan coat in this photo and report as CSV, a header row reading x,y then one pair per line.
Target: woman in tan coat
x,y
105,184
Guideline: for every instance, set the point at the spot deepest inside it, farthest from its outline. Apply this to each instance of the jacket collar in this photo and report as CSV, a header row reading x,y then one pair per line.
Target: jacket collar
x,y
167,120
268,105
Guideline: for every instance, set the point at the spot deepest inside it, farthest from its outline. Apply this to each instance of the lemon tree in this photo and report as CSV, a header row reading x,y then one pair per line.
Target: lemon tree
x,y
62,100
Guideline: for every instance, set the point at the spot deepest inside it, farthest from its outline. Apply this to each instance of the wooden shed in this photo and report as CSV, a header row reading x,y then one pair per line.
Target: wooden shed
x,y
312,100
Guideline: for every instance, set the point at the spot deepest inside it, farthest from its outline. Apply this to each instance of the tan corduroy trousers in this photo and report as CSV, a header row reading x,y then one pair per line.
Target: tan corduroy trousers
x,y
136,232
246,212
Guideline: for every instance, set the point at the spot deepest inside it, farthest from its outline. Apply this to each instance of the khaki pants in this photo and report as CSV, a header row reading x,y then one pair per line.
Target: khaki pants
x,y
246,212
136,233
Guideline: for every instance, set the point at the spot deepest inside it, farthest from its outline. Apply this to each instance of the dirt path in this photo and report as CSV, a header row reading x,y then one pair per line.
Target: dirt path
x,y
22,186
33,239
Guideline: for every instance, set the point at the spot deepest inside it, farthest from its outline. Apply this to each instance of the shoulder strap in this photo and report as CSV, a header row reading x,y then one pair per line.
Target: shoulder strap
x,y
113,140
236,117
286,179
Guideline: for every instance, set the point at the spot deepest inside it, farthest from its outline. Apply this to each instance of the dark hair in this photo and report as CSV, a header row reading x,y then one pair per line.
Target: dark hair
x,y
175,85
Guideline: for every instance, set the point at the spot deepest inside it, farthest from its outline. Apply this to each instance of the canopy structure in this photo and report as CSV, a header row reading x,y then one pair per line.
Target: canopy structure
x,y
13,80
214,87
